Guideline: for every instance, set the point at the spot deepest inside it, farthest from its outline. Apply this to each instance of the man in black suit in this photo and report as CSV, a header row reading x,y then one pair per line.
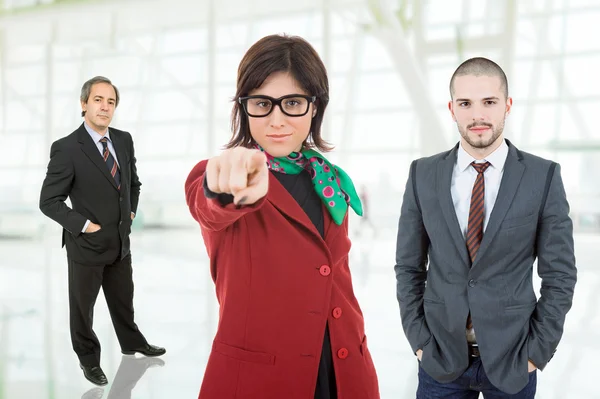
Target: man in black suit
x,y
95,167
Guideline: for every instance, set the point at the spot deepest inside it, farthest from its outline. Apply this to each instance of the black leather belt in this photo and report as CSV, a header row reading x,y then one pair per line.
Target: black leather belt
x,y
473,350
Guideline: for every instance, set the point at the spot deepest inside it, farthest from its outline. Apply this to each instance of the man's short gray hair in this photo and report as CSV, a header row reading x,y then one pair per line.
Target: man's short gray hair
x,y
86,89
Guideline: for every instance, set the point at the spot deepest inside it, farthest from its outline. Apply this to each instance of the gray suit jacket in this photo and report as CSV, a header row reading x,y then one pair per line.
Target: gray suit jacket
x,y
437,286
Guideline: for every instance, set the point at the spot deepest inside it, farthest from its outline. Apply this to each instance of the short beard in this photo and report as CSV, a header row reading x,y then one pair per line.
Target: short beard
x,y
480,144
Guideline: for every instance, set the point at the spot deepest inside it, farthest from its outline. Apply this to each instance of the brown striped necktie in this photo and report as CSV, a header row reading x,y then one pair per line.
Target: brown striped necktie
x,y
476,211
476,217
111,163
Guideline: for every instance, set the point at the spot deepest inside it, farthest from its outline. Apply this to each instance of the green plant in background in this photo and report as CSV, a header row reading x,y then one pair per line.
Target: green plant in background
x,y
460,43
401,14
407,23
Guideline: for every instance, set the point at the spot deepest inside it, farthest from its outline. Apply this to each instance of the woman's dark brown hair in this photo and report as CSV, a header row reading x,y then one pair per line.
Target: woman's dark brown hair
x,y
281,53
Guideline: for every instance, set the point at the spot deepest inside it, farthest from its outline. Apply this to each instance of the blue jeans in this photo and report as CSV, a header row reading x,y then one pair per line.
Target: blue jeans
x,y
468,386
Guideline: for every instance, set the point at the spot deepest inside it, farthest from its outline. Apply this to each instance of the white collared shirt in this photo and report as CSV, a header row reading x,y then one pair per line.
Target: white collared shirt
x,y
463,179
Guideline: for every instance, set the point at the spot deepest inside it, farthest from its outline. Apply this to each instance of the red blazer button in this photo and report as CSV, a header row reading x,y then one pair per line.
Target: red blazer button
x,y
337,313
325,270
343,353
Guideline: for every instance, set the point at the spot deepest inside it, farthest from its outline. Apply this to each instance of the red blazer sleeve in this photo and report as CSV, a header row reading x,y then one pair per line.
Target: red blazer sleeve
x,y
210,212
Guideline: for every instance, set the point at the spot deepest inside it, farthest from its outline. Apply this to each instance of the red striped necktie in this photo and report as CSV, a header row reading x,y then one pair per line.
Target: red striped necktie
x,y
111,163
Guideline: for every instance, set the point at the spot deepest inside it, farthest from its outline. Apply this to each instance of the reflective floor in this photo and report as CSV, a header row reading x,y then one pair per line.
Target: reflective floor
x,y
175,308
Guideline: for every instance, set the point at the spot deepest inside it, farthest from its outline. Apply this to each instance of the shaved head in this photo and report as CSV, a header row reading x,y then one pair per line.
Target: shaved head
x,y
480,66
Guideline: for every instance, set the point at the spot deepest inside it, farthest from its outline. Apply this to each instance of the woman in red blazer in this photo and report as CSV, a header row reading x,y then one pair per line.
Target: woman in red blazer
x,y
274,217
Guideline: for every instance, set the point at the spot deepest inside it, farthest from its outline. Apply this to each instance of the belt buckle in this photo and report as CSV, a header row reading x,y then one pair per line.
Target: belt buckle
x,y
474,350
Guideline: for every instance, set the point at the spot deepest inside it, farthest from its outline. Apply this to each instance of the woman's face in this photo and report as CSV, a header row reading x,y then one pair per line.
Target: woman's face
x,y
280,134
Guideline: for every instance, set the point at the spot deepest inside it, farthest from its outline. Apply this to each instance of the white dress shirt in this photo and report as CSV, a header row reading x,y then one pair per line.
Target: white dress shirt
x,y
463,179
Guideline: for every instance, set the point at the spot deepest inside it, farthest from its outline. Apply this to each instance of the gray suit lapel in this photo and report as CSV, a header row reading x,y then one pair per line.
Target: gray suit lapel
x,y
444,180
513,172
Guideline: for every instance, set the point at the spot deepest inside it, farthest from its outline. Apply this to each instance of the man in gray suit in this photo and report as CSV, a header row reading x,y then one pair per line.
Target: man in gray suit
x,y
473,221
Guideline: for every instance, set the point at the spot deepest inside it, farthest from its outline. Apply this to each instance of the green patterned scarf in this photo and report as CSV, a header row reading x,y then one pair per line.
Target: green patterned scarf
x,y
331,183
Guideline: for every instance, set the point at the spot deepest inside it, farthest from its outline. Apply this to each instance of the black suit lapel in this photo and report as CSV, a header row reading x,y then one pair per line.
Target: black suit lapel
x,y
91,151
120,146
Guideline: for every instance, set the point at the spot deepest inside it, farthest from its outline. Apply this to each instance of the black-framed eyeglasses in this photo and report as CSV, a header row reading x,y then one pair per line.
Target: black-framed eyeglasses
x,y
290,105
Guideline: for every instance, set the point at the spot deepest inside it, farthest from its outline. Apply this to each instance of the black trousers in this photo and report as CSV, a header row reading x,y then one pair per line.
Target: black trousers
x,y
116,281
326,385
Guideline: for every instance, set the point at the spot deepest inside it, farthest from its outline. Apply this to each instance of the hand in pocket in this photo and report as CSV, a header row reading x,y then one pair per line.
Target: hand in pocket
x,y
419,354
93,227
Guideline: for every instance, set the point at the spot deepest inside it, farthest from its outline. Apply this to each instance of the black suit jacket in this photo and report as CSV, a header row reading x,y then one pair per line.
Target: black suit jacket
x,y
78,171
